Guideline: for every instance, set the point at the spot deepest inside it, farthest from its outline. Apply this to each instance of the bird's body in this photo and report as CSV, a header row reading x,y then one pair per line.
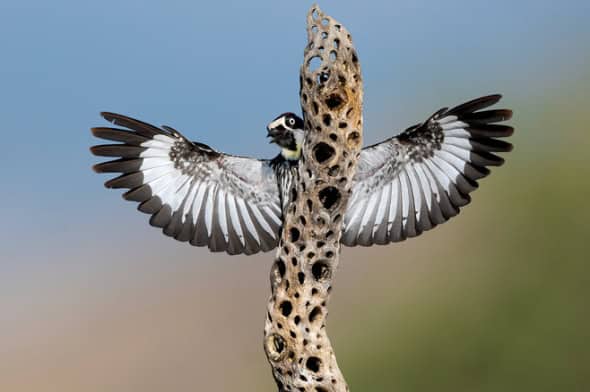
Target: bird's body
x,y
403,186
286,171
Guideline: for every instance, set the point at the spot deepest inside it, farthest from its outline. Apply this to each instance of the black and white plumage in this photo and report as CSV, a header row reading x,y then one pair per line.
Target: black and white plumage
x,y
286,131
194,193
421,177
403,186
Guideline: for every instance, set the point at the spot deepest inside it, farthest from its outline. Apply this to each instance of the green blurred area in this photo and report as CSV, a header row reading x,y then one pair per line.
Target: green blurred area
x,y
506,307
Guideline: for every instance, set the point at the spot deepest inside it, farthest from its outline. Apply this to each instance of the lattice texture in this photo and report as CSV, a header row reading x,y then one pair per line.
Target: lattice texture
x,y
296,342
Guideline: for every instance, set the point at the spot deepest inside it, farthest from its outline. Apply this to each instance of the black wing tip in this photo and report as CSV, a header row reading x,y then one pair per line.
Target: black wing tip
x,y
130,122
490,99
117,119
96,150
115,183
508,131
111,117
110,184
496,96
103,132
481,120
493,115
476,104
490,130
95,131
98,168
499,161
484,101
507,114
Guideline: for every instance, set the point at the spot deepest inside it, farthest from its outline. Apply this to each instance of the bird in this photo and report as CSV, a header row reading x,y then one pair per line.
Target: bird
x,y
403,186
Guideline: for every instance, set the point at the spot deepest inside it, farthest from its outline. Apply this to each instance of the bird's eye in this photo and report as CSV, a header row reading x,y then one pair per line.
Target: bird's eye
x,y
291,121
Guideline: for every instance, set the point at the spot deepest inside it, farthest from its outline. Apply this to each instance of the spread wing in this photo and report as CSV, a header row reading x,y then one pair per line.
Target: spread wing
x,y
420,178
194,193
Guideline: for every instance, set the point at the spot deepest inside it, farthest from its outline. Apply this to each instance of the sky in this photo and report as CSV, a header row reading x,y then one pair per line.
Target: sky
x,y
219,72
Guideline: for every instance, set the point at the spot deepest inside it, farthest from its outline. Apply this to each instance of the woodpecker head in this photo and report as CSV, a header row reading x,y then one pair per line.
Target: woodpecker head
x,y
287,132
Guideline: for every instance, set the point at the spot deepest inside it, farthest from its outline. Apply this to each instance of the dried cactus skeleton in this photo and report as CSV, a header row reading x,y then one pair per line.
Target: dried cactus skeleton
x,y
296,342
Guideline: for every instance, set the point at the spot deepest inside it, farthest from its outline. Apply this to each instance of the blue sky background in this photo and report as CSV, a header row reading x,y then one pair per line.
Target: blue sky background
x,y
218,72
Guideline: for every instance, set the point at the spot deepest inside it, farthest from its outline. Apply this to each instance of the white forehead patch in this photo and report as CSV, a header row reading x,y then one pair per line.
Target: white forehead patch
x,y
277,122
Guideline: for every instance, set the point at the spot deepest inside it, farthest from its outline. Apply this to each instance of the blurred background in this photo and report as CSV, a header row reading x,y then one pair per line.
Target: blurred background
x,y
94,299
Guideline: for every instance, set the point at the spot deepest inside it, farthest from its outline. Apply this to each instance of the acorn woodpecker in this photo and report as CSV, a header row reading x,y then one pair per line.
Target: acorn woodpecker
x,y
403,186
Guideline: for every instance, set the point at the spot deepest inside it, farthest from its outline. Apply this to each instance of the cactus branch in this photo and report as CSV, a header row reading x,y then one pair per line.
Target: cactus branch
x,y
296,341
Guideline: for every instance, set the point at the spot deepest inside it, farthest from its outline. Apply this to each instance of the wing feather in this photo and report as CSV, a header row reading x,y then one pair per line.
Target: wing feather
x,y
380,224
193,192
419,179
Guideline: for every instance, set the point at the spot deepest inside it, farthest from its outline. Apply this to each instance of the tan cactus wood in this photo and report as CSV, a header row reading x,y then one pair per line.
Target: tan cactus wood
x,y
296,342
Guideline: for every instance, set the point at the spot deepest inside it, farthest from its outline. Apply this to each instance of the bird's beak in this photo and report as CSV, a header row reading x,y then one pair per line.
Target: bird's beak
x,y
271,133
